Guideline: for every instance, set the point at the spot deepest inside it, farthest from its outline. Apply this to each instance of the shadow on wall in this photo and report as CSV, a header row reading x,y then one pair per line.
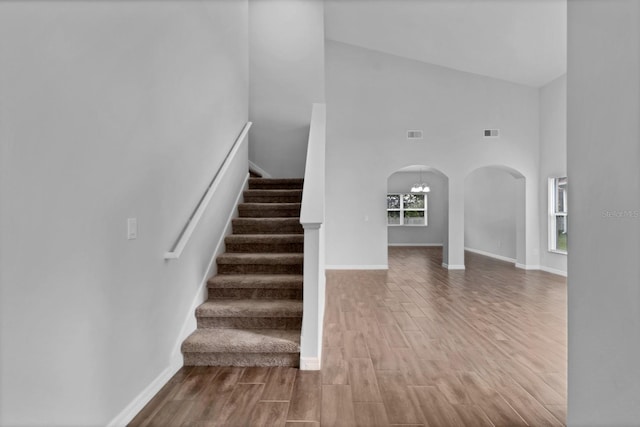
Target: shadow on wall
x,y
278,149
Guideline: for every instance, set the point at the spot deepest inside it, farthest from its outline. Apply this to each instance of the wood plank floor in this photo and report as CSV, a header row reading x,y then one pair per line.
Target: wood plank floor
x,y
415,346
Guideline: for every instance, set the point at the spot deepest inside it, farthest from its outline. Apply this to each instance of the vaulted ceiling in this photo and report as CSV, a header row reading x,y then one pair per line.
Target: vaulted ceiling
x,y
521,41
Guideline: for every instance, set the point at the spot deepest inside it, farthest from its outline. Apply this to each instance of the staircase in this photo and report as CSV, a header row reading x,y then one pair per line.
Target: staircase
x,y
253,314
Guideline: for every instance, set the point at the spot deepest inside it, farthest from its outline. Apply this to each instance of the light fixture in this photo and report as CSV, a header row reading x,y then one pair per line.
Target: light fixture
x,y
420,186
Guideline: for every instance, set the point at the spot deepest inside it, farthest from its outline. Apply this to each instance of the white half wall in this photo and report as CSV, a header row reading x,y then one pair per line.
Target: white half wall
x,y
553,160
286,77
603,153
372,100
109,110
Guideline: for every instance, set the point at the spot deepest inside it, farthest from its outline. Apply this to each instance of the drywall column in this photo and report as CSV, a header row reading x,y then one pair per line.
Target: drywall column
x,y
286,69
455,244
312,325
532,223
521,226
603,87
445,231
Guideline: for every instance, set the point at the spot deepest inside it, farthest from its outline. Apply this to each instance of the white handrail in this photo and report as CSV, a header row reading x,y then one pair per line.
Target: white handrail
x,y
202,205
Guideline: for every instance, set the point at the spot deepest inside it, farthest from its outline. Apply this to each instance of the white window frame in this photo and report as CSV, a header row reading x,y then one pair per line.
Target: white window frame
x,y
554,214
402,211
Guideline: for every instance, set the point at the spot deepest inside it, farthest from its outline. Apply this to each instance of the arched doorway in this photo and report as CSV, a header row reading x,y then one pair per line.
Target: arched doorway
x,y
417,218
494,213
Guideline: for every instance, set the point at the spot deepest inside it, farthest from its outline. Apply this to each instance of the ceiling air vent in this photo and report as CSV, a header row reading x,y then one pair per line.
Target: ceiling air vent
x,y
413,135
492,133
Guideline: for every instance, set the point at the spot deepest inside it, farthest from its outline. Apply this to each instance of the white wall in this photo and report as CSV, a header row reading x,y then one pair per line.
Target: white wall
x,y
490,199
434,232
286,77
372,99
603,87
553,160
109,110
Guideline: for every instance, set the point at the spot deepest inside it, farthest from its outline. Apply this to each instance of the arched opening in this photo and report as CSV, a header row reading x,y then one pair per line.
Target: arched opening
x,y
417,218
494,213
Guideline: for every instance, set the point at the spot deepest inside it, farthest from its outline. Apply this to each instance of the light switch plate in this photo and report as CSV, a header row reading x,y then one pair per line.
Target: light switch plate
x,y
132,228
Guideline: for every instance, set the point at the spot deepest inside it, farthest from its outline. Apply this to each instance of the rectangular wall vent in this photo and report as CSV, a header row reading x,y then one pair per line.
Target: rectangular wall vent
x,y
412,135
491,133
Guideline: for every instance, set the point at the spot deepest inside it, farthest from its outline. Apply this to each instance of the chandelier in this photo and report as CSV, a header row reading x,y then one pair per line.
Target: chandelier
x,y
420,186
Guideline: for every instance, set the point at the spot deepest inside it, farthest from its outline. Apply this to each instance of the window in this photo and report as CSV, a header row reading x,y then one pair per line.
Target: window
x,y
407,209
558,215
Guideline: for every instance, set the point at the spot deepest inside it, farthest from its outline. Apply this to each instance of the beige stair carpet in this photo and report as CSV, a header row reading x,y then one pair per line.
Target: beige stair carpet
x,y
253,314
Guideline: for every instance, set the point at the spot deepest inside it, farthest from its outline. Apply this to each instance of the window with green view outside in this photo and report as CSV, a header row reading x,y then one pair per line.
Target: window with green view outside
x,y
558,226
407,209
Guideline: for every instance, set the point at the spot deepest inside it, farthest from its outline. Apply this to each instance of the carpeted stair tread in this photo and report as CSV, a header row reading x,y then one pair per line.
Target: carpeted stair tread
x,y
243,341
263,243
257,258
269,210
256,281
275,183
275,238
255,286
274,206
272,196
250,308
267,225
274,192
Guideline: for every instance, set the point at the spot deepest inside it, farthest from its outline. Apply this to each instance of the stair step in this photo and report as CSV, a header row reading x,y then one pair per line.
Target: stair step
x,y
256,286
276,183
242,263
250,314
273,196
268,210
276,243
240,347
267,226
250,308
255,258
257,281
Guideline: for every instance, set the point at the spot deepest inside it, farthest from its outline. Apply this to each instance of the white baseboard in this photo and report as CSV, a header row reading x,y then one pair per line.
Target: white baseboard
x,y
257,169
527,266
189,325
140,401
517,264
453,266
553,271
310,364
491,255
416,244
357,267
